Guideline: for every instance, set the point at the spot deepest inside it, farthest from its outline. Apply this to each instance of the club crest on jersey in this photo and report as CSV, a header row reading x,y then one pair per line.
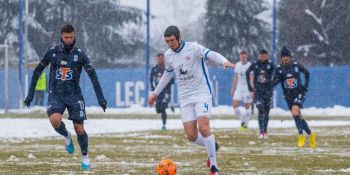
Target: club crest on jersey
x,y
64,73
296,69
187,58
75,58
290,83
268,67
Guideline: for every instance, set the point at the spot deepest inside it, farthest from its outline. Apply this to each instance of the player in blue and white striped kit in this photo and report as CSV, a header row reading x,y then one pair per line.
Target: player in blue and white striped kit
x,y
66,63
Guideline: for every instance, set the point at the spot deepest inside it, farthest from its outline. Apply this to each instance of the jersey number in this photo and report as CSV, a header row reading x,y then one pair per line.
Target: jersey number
x,y
64,74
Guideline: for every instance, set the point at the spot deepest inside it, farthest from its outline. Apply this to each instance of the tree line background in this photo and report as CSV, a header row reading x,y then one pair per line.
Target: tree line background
x,y
113,36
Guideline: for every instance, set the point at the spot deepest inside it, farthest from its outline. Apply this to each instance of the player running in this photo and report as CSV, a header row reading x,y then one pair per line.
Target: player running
x,y
187,59
164,97
240,92
262,89
289,75
67,62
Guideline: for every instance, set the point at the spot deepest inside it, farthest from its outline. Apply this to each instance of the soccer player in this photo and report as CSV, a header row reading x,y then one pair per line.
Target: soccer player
x,y
289,75
67,62
164,97
187,60
262,89
240,92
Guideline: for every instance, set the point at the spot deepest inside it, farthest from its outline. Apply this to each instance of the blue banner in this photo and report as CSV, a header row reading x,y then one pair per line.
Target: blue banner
x,y
125,87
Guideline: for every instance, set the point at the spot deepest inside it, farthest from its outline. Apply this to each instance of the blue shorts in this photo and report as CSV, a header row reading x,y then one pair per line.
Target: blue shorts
x,y
298,100
75,105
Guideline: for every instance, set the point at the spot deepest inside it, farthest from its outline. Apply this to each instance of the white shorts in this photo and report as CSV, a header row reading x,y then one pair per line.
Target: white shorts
x,y
242,95
191,111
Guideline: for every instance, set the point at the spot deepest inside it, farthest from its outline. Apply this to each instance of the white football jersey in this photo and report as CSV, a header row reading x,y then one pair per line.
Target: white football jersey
x,y
191,71
240,70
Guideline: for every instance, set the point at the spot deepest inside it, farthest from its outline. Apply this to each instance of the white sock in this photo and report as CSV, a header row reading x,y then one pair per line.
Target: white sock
x,y
210,146
200,140
238,114
68,139
85,159
247,116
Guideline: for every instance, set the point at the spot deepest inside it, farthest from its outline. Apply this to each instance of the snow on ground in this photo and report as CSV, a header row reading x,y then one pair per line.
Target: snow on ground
x,y
336,110
28,128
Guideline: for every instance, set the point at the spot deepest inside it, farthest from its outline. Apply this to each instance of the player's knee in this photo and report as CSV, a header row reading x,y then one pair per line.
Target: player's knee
x,y
205,131
55,120
192,137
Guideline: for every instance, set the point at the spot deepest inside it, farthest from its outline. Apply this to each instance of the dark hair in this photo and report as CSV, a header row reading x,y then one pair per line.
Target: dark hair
x,y
172,30
285,51
243,52
263,51
67,29
160,54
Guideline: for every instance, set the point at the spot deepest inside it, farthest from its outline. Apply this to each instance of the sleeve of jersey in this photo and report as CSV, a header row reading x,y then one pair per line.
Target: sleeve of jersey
x,y
90,70
212,55
151,80
164,80
306,74
45,61
276,78
247,75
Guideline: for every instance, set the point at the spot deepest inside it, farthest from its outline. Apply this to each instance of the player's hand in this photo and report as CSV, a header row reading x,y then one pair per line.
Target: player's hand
x,y
27,101
252,95
349,82
232,92
103,104
228,64
152,99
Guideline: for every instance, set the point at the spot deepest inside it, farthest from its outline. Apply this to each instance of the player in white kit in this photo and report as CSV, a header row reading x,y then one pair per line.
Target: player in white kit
x,y
187,60
240,91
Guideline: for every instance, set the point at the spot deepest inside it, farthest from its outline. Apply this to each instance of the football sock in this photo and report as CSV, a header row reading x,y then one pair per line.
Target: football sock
x,y
164,116
62,130
299,124
200,140
247,116
83,142
306,127
261,121
238,114
85,159
210,146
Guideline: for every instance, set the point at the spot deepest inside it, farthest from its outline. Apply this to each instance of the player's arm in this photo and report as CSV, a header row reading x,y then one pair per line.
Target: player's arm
x,y
90,70
249,78
234,83
151,79
214,56
45,61
163,82
277,76
306,75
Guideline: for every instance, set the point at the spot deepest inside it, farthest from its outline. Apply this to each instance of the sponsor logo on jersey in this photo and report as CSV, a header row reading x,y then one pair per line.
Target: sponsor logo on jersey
x,y
64,73
290,83
63,63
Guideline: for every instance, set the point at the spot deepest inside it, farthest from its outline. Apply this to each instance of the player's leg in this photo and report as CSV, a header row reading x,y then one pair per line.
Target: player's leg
x,y
203,111
55,109
247,104
267,106
76,110
261,117
235,104
190,124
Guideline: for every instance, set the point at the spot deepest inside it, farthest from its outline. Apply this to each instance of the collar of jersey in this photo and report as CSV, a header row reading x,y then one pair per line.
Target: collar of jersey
x,y
182,46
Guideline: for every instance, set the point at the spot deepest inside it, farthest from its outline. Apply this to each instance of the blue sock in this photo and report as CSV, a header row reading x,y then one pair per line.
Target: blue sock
x,y
62,130
306,127
261,121
83,142
299,124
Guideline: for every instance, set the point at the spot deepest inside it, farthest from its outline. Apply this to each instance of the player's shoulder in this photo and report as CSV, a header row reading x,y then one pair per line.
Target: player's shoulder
x,y
238,64
53,49
168,53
